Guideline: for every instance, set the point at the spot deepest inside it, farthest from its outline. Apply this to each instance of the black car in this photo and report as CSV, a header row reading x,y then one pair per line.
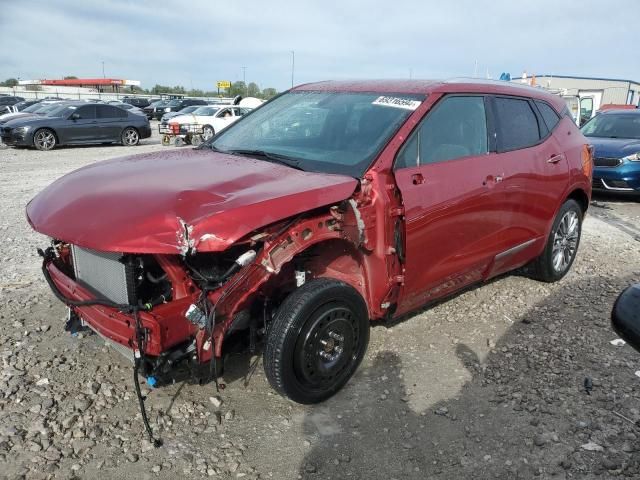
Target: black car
x,y
176,105
77,124
150,110
136,102
24,104
10,100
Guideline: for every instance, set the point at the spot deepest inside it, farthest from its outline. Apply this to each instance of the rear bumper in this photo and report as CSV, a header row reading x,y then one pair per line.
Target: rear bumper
x,y
145,132
165,326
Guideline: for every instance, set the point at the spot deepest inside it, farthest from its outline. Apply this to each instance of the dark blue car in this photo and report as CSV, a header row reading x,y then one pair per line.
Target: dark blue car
x,y
615,136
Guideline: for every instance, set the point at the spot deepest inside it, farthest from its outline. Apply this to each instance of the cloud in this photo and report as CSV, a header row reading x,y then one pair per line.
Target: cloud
x,y
199,42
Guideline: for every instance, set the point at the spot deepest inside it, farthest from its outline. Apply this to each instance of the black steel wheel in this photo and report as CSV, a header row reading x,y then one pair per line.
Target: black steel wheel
x,y
316,340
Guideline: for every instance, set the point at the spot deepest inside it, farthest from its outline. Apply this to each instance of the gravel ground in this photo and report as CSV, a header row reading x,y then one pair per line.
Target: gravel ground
x,y
488,384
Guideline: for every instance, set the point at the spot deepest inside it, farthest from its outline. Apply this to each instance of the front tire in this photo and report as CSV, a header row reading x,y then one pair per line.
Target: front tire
x,y
316,340
44,139
130,137
562,244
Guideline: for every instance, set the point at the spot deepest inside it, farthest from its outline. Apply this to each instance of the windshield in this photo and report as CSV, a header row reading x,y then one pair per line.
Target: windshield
x,y
61,111
331,132
189,109
159,103
206,111
613,125
174,103
32,108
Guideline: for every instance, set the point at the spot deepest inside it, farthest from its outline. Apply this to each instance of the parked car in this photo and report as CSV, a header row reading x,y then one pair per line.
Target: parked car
x,y
167,116
154,108
176,105
369,201
615,136
212,118
35,110
10,100
136,102
25,103
128,107
77,124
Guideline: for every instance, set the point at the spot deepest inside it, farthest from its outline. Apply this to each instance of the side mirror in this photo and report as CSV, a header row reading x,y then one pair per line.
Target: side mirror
x,y
75,116
625,317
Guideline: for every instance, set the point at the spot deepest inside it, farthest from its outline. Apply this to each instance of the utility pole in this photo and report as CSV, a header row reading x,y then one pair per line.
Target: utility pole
x,y
103,70
293,65
244,80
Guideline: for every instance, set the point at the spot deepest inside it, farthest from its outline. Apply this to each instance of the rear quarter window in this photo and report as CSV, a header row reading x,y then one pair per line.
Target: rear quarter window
x,y
517,124
549,115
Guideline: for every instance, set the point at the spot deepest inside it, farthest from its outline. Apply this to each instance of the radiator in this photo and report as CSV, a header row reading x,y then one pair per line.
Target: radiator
x,y
104,273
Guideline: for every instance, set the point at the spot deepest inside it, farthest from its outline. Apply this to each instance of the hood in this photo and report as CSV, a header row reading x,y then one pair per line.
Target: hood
x,y
173,202
14,115
614,147
31,120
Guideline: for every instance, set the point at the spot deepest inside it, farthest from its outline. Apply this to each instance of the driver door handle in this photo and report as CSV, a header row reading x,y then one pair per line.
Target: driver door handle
x,y
417,179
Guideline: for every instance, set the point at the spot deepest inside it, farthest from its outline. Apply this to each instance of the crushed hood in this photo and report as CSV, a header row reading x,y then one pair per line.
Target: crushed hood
x,y
172,202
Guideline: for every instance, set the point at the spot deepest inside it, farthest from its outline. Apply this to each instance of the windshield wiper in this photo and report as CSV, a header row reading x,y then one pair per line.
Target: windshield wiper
x,y
270,156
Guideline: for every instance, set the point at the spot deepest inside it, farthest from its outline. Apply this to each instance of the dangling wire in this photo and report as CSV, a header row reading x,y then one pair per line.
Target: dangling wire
x,y
137,361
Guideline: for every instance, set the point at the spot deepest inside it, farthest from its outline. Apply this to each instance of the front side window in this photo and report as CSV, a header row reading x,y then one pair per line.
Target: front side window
x,y
86,112
331,132
517,124
455,128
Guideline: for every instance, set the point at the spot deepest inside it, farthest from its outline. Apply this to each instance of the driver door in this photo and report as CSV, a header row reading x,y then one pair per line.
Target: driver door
x,y
451,186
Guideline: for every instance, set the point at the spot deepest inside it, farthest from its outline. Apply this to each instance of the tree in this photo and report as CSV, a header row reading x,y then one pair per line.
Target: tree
x,y
70,77
238,88
267,93
10,82
253,90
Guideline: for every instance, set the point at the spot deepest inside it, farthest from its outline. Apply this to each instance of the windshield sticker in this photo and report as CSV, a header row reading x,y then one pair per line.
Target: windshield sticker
x,y
397,102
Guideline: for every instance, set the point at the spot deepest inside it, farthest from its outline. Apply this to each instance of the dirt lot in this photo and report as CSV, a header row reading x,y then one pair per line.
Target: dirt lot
x,y
489,384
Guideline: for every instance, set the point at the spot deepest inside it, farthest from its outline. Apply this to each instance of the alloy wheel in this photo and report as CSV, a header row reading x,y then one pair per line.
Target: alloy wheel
x,y
45,140
565,241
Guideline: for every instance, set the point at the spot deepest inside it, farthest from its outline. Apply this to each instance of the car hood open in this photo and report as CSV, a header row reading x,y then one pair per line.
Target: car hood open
x,y
174,202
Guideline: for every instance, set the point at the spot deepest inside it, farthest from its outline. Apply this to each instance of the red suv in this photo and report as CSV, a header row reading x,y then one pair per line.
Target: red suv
x,y
333,204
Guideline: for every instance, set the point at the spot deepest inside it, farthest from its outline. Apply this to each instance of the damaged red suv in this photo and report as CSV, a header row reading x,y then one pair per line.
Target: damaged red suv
x,y
334,204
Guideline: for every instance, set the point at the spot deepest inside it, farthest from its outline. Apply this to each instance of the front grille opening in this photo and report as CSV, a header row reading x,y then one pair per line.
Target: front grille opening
x,y
606,162
121,278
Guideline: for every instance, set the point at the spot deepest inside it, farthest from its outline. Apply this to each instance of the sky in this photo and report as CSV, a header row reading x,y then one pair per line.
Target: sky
x,y
199,42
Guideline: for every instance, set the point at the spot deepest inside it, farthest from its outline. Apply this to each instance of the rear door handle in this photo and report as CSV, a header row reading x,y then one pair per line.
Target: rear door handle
x,y
417,179
555,158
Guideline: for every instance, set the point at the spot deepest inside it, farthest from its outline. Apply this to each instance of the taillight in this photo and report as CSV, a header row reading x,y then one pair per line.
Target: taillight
x,y
175,128
587,160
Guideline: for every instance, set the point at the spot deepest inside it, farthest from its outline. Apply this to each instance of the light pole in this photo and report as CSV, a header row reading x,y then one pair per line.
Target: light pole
x,y
293,65
103,70
244,80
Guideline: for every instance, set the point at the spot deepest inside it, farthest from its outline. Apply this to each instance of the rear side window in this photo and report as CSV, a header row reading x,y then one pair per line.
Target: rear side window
x,y
549,115
455,128
517,124
108,111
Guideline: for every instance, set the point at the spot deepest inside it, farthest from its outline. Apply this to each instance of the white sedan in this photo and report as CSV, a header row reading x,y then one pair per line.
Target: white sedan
x,y
212,118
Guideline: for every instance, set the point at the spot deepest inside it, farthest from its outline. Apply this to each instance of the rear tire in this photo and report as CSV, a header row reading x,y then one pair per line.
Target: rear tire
x,y
44,139
562,245
207,132
130,137
316,340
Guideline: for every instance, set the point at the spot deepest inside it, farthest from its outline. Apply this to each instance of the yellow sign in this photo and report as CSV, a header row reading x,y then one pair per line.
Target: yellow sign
x,y
224,84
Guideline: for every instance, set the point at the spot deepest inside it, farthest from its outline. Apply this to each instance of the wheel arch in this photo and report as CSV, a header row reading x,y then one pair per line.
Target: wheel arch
x,y
580,196
55,134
